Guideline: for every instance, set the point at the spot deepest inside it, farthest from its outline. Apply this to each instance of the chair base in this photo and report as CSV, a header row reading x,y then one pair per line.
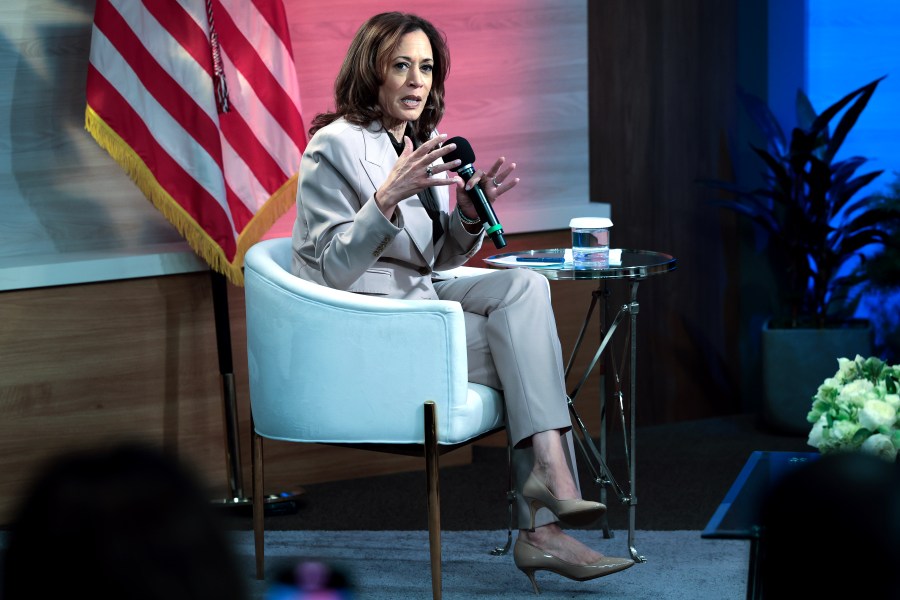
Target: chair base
x,y
432,452
282,503
432,469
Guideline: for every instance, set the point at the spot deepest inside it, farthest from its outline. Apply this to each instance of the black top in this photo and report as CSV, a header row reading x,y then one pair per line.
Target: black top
x,y
428,200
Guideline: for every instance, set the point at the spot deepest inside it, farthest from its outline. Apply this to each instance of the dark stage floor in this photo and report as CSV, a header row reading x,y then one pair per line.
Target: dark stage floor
x,y
683,472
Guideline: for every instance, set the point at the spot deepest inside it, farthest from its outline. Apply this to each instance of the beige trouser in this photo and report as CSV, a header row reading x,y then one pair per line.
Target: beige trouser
x,y
513,346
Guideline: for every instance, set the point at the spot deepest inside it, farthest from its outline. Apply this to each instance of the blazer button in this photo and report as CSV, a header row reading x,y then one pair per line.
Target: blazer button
x,y
424,271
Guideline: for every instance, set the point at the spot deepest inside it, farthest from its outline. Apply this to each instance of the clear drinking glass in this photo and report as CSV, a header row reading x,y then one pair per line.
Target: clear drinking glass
x,y
590,242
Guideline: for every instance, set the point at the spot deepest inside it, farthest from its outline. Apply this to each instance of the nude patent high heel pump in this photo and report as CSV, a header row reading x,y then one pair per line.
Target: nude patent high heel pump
x,y
572,512
530,558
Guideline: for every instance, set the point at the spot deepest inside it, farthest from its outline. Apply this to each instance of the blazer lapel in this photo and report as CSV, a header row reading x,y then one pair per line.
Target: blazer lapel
x,y
380,158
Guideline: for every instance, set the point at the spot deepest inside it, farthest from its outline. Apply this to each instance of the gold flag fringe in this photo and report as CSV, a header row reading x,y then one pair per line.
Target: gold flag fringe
x,y
187,227
273,209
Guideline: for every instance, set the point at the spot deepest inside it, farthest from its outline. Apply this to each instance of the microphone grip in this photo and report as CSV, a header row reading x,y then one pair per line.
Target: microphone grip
x,y
485,211
488,216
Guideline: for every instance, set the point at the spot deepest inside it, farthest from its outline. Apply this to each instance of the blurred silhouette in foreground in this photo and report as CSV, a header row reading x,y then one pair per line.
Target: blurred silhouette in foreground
x,y
311,580
831,529
127,522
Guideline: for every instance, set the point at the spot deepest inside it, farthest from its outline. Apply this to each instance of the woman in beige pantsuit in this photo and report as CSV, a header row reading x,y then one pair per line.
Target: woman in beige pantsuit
x,y
373,217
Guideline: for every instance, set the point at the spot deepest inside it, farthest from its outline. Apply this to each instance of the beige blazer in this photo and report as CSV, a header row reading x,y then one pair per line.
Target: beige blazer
x,y
342,240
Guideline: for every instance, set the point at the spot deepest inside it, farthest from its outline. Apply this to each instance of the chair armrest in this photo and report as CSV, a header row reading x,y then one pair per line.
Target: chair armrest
x,y
317,347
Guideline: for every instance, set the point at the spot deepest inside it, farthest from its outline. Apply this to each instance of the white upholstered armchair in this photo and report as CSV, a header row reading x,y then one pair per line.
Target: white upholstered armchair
x,y
328,366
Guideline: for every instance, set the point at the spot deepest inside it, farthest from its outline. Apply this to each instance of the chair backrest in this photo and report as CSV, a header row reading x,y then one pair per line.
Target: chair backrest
x,y
332,366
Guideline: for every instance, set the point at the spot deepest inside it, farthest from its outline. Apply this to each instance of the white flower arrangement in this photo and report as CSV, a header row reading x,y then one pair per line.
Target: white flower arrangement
x,y
858,409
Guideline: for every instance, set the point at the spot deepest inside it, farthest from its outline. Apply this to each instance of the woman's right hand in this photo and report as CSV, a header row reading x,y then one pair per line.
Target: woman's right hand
x,y
414,171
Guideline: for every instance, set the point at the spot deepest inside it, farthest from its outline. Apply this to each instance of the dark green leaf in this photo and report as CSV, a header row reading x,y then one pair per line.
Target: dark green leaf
x,y
765,121
847,121
806,114
845,191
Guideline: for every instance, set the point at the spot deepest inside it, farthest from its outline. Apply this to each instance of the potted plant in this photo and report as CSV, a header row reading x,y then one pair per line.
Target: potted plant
x,y
820,232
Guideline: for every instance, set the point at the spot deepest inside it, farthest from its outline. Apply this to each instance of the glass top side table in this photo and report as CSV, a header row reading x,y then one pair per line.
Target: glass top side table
x,y
627,265
553,264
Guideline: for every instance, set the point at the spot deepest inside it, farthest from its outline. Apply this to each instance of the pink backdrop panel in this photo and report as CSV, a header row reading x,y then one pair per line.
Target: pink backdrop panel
x,y
517,88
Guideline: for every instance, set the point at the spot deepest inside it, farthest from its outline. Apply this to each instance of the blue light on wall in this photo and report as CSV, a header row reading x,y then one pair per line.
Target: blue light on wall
x,y
849,44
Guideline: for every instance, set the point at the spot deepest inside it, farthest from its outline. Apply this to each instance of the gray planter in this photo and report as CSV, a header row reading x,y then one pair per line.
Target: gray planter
x,y
796,361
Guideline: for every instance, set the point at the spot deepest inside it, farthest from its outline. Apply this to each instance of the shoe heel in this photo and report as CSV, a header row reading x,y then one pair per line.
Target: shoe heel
x,y
534,506
530,574
576,512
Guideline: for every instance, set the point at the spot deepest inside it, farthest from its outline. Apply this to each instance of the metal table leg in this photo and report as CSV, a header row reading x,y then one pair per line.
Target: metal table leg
x,y
632,466
596,458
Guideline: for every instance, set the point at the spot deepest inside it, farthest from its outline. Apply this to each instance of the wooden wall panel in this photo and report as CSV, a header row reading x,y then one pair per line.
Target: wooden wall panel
x,y
662,96
136,360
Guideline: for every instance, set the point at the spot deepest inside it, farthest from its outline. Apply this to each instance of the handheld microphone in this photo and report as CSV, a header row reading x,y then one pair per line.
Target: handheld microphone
x,y
485,211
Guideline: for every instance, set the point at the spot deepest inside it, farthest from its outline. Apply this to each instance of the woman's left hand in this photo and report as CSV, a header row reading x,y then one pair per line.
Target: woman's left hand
x,y
494,183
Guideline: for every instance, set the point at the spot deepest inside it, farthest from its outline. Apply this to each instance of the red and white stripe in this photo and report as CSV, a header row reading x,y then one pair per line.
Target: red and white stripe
x,y
150,80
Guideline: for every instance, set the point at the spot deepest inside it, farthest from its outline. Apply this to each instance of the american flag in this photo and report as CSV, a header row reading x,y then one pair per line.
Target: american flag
x,y
198,101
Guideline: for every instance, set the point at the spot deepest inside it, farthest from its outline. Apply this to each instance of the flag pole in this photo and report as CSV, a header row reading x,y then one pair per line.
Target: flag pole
x,y
282,502
229,396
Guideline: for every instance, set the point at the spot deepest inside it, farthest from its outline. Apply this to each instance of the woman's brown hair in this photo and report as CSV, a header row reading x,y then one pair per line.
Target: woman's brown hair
x,y
365,67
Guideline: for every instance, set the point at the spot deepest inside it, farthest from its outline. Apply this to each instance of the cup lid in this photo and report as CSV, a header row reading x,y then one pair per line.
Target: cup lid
x,y
590,223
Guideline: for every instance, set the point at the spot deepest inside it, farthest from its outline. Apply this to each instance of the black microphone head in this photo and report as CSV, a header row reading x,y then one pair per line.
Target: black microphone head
x,y
463,152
